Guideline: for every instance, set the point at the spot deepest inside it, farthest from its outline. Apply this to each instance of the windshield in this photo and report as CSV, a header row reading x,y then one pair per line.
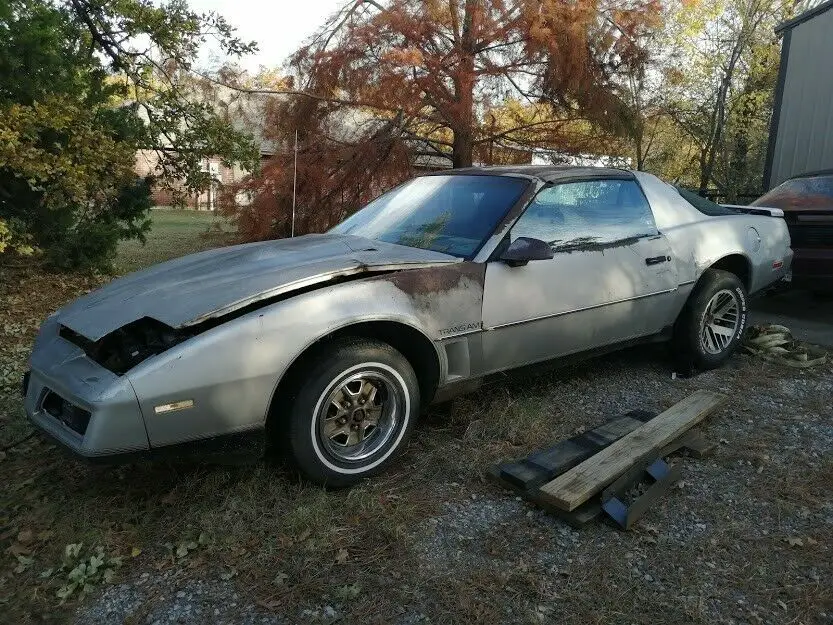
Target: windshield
x,y
450,214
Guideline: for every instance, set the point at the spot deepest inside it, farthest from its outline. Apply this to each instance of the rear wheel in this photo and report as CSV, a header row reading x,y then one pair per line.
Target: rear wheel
x,y
711,326
354,409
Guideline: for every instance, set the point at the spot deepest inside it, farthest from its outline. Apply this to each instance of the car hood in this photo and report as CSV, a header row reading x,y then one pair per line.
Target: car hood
x,y
194,288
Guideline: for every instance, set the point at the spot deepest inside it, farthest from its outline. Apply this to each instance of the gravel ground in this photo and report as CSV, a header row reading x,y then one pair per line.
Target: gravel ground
x,y
171,598
744,537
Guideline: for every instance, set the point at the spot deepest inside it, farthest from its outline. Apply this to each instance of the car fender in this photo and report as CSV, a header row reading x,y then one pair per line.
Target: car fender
x,y
230,372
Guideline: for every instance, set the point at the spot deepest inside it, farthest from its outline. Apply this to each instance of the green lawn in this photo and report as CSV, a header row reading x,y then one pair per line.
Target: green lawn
x,y
173,233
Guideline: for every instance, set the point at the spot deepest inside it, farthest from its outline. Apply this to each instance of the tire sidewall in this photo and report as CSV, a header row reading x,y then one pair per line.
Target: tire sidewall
x,y
714,282
332,366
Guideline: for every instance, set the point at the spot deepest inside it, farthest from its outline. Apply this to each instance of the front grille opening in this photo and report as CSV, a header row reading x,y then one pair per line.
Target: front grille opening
x,y
123,349
77,419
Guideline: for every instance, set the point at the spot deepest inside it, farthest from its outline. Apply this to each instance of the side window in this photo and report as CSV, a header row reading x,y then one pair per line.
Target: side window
x,y
588,212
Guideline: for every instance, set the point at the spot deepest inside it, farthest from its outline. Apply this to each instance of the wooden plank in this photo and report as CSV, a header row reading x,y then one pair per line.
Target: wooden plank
x,y
542,466
577,518
573,488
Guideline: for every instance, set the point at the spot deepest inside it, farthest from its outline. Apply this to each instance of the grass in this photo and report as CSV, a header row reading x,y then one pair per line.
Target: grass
x,y
288,546
173,233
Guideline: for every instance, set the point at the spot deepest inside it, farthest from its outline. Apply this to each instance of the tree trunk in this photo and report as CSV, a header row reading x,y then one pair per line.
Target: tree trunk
x,y
463,149
705,173
640,156
464,79
738,168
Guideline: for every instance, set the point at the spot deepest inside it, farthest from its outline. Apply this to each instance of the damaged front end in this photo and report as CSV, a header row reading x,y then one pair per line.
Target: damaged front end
x,y
124,348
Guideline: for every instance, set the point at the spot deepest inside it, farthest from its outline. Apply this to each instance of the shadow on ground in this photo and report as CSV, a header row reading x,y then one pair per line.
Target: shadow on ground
x,y
808,316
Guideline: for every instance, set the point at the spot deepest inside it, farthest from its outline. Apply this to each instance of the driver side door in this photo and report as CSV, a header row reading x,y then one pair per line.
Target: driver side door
x,y
611,277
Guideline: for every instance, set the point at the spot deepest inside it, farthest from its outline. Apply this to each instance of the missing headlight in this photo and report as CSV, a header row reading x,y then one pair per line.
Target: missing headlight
x,y
67,413
123,349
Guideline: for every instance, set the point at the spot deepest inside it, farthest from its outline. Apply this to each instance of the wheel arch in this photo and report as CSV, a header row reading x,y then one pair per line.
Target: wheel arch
x,y
413,344
737,264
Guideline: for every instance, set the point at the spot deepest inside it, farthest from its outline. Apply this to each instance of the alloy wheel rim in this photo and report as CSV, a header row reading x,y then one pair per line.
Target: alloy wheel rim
x,y
720,322
359,415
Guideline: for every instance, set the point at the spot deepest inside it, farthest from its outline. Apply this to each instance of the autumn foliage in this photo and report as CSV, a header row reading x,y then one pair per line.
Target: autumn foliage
x,y
388,86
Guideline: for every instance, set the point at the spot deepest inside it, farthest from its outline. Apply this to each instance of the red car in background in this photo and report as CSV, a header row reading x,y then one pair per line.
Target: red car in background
x,y
807,202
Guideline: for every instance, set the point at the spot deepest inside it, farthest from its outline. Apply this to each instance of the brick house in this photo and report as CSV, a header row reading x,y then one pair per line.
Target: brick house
x,y
245,112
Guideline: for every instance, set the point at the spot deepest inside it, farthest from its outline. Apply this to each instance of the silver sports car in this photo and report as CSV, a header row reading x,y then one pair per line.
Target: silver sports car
x,y
329,345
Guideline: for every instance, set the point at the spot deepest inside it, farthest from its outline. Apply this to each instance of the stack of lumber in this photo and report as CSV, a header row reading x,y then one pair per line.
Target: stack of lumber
x,y
566,478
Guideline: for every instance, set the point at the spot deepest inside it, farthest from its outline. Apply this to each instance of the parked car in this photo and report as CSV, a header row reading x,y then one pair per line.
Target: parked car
x,y
807,202
329,345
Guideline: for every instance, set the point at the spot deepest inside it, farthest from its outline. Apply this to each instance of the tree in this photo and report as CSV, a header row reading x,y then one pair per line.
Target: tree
x,y
723,48
84,84
446,81
740,163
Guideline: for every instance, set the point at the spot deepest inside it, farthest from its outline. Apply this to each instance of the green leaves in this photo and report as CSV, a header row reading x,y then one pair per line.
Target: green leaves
x,y
78,101
182,128
185,547
23,563
83,162
82,572
348,592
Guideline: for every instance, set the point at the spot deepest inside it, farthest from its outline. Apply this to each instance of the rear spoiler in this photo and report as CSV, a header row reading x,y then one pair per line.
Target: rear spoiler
x,y
756,210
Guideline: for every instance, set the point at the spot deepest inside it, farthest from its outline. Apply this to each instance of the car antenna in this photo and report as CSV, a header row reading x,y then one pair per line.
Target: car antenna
x,y
294,184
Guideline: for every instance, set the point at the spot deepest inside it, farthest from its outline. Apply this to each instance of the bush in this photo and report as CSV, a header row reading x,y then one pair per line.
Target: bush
x,y
77,101
73,243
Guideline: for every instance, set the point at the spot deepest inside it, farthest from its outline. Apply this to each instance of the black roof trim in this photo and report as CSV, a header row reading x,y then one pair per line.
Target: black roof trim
x,y
807,15
813,174
546,173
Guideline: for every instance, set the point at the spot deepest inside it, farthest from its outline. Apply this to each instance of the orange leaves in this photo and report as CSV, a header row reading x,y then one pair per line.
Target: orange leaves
x,y
404,56
410,81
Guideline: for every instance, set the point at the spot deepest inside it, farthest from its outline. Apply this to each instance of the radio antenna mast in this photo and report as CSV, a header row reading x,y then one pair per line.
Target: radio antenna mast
x,y
294,184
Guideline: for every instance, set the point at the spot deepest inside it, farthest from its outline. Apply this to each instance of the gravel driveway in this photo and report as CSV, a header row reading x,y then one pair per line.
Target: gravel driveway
x,y
745,537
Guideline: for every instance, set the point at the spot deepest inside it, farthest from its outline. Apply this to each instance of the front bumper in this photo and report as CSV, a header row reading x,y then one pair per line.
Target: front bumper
x,y
80,404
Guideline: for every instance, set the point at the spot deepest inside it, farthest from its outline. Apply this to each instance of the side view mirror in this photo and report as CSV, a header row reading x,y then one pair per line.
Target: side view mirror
x,y
524,249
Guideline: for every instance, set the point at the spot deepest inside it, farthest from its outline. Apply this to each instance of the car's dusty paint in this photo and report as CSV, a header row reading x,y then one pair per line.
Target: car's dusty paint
x,y
189,290
582,299
699,241
252,311
65,369
232,387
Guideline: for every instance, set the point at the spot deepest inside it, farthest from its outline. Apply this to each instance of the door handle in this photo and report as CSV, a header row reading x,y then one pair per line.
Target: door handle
x,y
656,260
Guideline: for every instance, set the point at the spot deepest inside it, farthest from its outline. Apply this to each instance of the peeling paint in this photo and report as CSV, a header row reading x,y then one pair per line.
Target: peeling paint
x,y
590,244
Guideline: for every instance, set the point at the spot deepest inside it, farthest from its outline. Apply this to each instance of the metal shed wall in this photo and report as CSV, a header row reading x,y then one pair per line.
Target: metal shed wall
x,y
802,130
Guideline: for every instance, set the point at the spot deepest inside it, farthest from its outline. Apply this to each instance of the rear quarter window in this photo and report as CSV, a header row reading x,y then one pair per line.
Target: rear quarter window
x,y
707,207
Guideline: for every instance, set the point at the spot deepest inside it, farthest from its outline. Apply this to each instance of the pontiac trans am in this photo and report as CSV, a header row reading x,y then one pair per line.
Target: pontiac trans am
x,y
329,345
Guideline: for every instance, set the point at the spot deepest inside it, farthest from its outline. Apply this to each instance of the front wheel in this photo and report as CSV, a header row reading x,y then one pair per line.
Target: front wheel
x,y
711,326
354,409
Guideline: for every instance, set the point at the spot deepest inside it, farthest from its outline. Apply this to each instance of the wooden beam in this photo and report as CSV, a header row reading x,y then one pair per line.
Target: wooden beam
x,y
530,473
571,489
